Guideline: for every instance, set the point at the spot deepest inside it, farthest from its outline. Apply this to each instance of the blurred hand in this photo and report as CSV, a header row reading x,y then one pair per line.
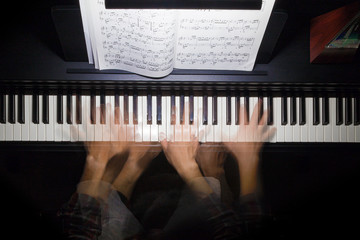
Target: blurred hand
x,y
211,160
247,152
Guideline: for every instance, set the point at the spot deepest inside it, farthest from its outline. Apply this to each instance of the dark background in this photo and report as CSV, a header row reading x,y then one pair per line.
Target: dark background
x,y
309,190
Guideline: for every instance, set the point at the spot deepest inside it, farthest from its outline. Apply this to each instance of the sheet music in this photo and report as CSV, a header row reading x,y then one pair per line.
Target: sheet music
x,y
153,42
220,39
139,41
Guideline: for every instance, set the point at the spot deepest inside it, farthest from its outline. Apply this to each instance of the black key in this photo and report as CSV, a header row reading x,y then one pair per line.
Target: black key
x,y
348,111
69,115
339,111
284,120
117,108
182,108
357,111
135,108
302,111
270,110
228,109
78,108
247,108
35,108
2,108
316,111
45,110
149,109
260,107
158,109
237,110
325,111
102,108
11,108
21,108
293,111
126,107
59,109
215,110
205,110
93,107
173,110
191,108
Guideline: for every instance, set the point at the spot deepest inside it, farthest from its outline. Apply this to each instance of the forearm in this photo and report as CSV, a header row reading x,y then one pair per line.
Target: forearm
x,y
248,171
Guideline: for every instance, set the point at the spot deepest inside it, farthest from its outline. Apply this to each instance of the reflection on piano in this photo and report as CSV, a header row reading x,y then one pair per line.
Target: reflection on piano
x,y
297,118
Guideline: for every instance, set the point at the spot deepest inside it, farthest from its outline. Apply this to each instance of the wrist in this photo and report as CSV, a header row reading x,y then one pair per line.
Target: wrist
x,y
189,172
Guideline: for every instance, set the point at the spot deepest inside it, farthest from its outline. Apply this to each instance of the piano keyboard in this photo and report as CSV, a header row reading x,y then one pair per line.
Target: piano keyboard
x,y
74,118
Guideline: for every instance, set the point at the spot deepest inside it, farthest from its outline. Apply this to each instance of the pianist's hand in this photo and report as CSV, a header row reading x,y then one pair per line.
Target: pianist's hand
x,y
211,159
139,158
247,152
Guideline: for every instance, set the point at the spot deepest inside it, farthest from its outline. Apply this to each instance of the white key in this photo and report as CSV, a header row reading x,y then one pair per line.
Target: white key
x,y
242,135
33,127
178,129
146,126
217,129
233,128
200,117
98,125
288,127
82,127
209,128
25,131
304,128
169,127
351,128
130,131
335,128
310,113
138,128
343,131
265,104
328,127
49,128
186,127
164,113
9,128
90,127
121,126
106,128
17,125
225,129
280,132
320,127
275,120
57,126
296,127
74,128
154,129
249,133
41,126
194,127
66,134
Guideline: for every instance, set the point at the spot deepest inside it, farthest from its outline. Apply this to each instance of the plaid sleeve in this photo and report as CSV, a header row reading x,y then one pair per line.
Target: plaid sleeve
x,y
81,217
223,220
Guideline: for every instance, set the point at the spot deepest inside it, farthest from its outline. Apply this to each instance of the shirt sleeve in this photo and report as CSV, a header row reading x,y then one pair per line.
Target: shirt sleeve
x,y
81,217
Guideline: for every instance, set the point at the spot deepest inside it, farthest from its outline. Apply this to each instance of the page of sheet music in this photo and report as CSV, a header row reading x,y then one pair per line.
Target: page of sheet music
x,y
139,41
220,39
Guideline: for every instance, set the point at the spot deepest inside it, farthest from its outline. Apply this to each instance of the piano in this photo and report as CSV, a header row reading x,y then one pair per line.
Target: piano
x,y
315,108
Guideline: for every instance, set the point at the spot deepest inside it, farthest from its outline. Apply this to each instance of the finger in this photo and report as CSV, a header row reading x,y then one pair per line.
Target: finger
x,y
269,134
255,115
164,144
245,117
263,118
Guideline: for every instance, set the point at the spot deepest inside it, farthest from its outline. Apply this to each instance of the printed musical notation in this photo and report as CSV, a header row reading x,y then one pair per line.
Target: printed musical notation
x,y
152,42
232,25
137,41
212,58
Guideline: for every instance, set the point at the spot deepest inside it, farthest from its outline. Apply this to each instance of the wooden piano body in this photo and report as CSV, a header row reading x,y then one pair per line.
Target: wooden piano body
x,y
309,188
